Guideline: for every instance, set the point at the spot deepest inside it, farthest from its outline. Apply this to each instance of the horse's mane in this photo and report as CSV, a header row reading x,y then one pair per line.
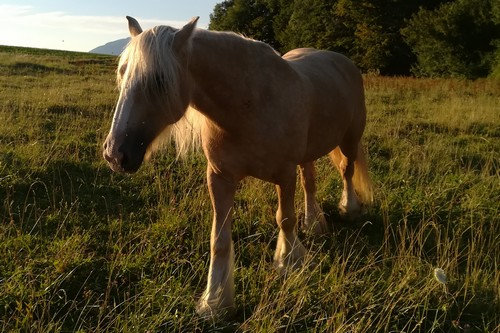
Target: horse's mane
x,y
150,61
241,41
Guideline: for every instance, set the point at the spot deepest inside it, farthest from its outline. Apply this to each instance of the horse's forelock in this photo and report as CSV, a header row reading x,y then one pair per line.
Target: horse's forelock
x,y
151,63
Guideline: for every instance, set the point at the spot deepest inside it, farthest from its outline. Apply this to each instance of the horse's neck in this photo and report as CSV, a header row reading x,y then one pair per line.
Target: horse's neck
x,y
225,76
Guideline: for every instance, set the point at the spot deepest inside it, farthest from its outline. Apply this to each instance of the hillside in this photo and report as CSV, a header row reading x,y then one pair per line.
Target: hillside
x,y
84,249
112,48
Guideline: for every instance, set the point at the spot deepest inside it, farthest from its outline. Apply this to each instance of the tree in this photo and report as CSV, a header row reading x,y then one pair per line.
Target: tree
x,y
367,31
309,25
251,18
374,25
430,37
456,39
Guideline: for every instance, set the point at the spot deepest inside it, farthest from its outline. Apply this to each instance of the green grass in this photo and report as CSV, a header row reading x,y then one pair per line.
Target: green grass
x,y
84,249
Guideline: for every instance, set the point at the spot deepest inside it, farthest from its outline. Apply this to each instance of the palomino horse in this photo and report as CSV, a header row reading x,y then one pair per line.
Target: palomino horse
x,y
257,114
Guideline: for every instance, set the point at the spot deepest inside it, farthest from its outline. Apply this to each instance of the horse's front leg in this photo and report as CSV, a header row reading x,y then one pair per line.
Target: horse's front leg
x,y
218,297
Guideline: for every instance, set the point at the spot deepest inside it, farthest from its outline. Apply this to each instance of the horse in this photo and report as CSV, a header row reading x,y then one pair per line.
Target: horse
x,y
256,113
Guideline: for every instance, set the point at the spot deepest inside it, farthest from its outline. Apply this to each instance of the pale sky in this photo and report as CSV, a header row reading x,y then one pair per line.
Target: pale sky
x,y
85,24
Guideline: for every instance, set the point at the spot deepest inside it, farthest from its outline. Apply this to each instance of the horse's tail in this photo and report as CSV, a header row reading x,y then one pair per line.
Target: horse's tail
x,y
361,179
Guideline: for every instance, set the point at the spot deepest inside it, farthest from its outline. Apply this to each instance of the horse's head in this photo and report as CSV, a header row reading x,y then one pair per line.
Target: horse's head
x,y
154,92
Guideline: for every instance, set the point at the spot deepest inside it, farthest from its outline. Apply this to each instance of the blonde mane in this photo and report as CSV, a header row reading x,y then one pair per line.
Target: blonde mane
x,y
149,60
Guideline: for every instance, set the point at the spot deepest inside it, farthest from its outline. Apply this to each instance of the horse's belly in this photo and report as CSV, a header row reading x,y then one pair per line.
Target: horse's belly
x,y
240,164
327,128
320,145
244,156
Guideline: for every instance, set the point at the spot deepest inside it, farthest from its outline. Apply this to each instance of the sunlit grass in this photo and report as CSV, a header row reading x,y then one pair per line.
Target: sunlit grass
x,y
84,249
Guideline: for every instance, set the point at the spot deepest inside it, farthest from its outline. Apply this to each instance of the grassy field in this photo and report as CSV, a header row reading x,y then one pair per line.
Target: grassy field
x,y
83,249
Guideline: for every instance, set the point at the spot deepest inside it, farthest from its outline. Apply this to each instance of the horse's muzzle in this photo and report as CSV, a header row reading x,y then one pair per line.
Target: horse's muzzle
x,y
121,159
113,157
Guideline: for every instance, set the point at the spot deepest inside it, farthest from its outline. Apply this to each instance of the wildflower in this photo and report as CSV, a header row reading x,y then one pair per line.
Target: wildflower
x,y
440,275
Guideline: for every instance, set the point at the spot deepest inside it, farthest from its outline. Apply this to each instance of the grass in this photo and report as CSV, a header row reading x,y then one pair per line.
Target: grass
x,y
84,249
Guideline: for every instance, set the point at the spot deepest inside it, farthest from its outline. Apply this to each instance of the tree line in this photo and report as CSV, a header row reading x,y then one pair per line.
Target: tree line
x,y
457,38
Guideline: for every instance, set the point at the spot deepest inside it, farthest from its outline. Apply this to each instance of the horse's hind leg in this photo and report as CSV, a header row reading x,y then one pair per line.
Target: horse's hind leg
x,y
314,220
344,157
289,249
219,294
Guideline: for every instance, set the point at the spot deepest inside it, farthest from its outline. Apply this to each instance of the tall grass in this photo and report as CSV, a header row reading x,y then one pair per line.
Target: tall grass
x,y
83,249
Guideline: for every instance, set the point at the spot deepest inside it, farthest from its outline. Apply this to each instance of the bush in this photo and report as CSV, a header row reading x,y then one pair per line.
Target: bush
x,y
457,39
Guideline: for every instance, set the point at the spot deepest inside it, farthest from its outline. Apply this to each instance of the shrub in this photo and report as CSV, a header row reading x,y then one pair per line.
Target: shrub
x,y
457,39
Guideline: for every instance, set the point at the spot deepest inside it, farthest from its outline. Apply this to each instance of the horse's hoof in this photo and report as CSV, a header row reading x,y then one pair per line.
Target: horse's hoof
x,y
294,260
283,268
315,226
350,212
213,312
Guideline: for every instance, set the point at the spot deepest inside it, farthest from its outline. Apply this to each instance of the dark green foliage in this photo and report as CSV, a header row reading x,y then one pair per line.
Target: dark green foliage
x,y
250,18
439,37
343,26
373,29
457,39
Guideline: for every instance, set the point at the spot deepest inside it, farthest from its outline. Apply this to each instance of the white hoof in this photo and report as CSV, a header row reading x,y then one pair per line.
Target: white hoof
x,y
289,253
315,222
349,205
214,308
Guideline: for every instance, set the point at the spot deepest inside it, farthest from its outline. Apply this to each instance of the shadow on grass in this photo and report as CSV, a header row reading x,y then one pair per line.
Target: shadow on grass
x,y
52,204
89,195
101,61
369,226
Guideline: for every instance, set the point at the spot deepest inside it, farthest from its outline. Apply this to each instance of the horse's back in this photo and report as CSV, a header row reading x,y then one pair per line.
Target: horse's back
x,y
309,61
336,98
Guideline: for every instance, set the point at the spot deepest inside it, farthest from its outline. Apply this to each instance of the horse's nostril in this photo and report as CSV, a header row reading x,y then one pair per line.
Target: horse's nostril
x,y
107,158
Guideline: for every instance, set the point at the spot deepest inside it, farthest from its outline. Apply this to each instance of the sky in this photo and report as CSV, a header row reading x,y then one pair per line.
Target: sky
x,y
81,25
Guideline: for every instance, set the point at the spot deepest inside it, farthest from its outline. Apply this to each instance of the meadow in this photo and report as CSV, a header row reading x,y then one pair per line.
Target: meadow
x,y
84,249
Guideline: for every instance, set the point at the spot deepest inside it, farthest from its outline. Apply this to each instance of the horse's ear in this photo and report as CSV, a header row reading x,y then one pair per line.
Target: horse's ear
x,y
182,36
133,26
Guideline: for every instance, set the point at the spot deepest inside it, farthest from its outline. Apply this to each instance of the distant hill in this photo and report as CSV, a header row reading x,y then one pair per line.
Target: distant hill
x,y
113,48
